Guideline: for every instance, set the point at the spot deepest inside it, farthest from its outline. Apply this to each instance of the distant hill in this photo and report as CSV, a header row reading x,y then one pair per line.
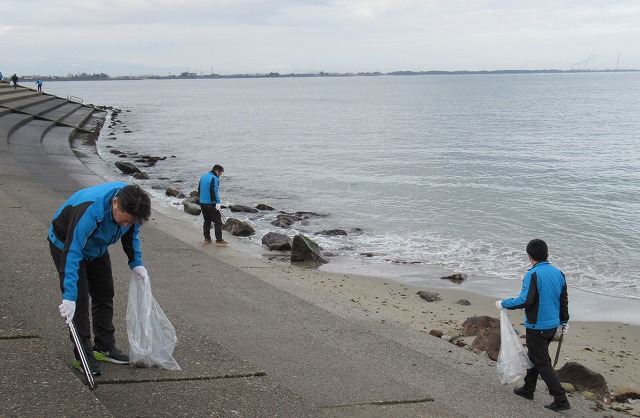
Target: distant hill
x,y
188,75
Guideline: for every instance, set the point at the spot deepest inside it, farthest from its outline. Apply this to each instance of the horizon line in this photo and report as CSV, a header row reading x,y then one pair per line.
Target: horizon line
x,y
275,74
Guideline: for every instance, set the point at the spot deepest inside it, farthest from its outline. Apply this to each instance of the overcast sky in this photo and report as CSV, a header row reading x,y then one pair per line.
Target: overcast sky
x,y
258,36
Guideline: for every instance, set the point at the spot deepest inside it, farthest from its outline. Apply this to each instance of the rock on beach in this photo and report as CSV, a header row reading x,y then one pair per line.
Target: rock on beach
x,y
305,249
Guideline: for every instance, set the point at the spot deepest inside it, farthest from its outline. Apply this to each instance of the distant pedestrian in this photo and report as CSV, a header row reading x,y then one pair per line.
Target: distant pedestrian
x,y
210,204
14,79
1,76
546,307
39,83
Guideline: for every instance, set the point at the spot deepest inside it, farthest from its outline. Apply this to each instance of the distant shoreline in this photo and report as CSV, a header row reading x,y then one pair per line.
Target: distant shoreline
x,y
189,76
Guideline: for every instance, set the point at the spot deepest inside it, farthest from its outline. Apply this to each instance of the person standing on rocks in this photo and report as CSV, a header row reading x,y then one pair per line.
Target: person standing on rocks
x,y
545,301
210,204
39,84
81,232
14,80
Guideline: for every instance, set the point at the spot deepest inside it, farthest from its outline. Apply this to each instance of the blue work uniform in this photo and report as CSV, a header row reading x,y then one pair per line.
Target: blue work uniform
x,y
81,232
208,191
546,305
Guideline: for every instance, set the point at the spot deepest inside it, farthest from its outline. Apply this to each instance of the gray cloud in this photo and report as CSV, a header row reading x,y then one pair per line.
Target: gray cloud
x,y
245,36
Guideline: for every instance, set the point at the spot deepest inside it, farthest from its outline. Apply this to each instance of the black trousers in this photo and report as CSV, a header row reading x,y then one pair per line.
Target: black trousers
x,y
211,214
538,351
95,280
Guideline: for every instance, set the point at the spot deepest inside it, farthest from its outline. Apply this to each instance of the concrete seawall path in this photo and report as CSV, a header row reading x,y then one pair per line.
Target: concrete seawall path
x,y
246,348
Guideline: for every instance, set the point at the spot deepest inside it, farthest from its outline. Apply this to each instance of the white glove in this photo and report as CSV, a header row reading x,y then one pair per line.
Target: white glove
x,y
142,272
67,309
565,328
218,206
499,305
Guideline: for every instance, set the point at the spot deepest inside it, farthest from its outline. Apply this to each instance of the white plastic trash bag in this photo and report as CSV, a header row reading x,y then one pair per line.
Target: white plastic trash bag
x,y
152,338
199,223
513,361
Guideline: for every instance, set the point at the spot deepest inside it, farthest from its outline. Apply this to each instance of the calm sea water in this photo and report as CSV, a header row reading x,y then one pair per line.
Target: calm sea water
x,y
450,172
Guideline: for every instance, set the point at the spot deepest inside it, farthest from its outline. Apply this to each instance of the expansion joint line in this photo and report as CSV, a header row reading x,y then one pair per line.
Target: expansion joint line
x,y
19,337
382,403
183,379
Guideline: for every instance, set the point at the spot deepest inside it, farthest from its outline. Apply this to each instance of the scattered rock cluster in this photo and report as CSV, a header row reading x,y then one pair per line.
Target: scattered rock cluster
x,y
128,167
301,247
125,166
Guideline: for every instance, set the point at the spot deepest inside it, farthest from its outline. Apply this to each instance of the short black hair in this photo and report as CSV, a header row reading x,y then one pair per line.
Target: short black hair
x,y
136,202
217,167
538,250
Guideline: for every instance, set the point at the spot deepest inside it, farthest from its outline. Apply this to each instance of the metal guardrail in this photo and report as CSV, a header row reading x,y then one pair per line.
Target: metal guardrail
x,y
75,99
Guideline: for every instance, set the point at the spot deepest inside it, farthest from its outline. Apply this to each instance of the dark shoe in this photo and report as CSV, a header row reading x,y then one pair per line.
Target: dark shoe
x,y
522,392
563,406
112,356
221,242
207,241
93,365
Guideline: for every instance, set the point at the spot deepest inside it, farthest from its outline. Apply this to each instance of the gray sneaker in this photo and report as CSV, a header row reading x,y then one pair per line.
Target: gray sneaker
x,y
112,356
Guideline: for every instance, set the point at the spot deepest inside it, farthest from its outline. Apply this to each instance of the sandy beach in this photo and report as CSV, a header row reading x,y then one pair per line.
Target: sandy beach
x,y
610,348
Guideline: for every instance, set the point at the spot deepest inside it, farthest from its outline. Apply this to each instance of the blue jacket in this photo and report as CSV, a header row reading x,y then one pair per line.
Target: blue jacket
x,y
208,188
83,228
543,296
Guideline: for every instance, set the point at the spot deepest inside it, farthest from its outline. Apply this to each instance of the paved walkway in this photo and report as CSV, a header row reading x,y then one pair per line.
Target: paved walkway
x,y
246,348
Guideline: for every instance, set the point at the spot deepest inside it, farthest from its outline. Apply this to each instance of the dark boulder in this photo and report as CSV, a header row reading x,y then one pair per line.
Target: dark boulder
x,y
276,241
193,199
141,175
477,325
239,228
332,232
429,296
285,220
307,215
242,208
262,206
456,277
149,160
487,332
488,341
126,167
305,249
174,192
191,208
583,379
